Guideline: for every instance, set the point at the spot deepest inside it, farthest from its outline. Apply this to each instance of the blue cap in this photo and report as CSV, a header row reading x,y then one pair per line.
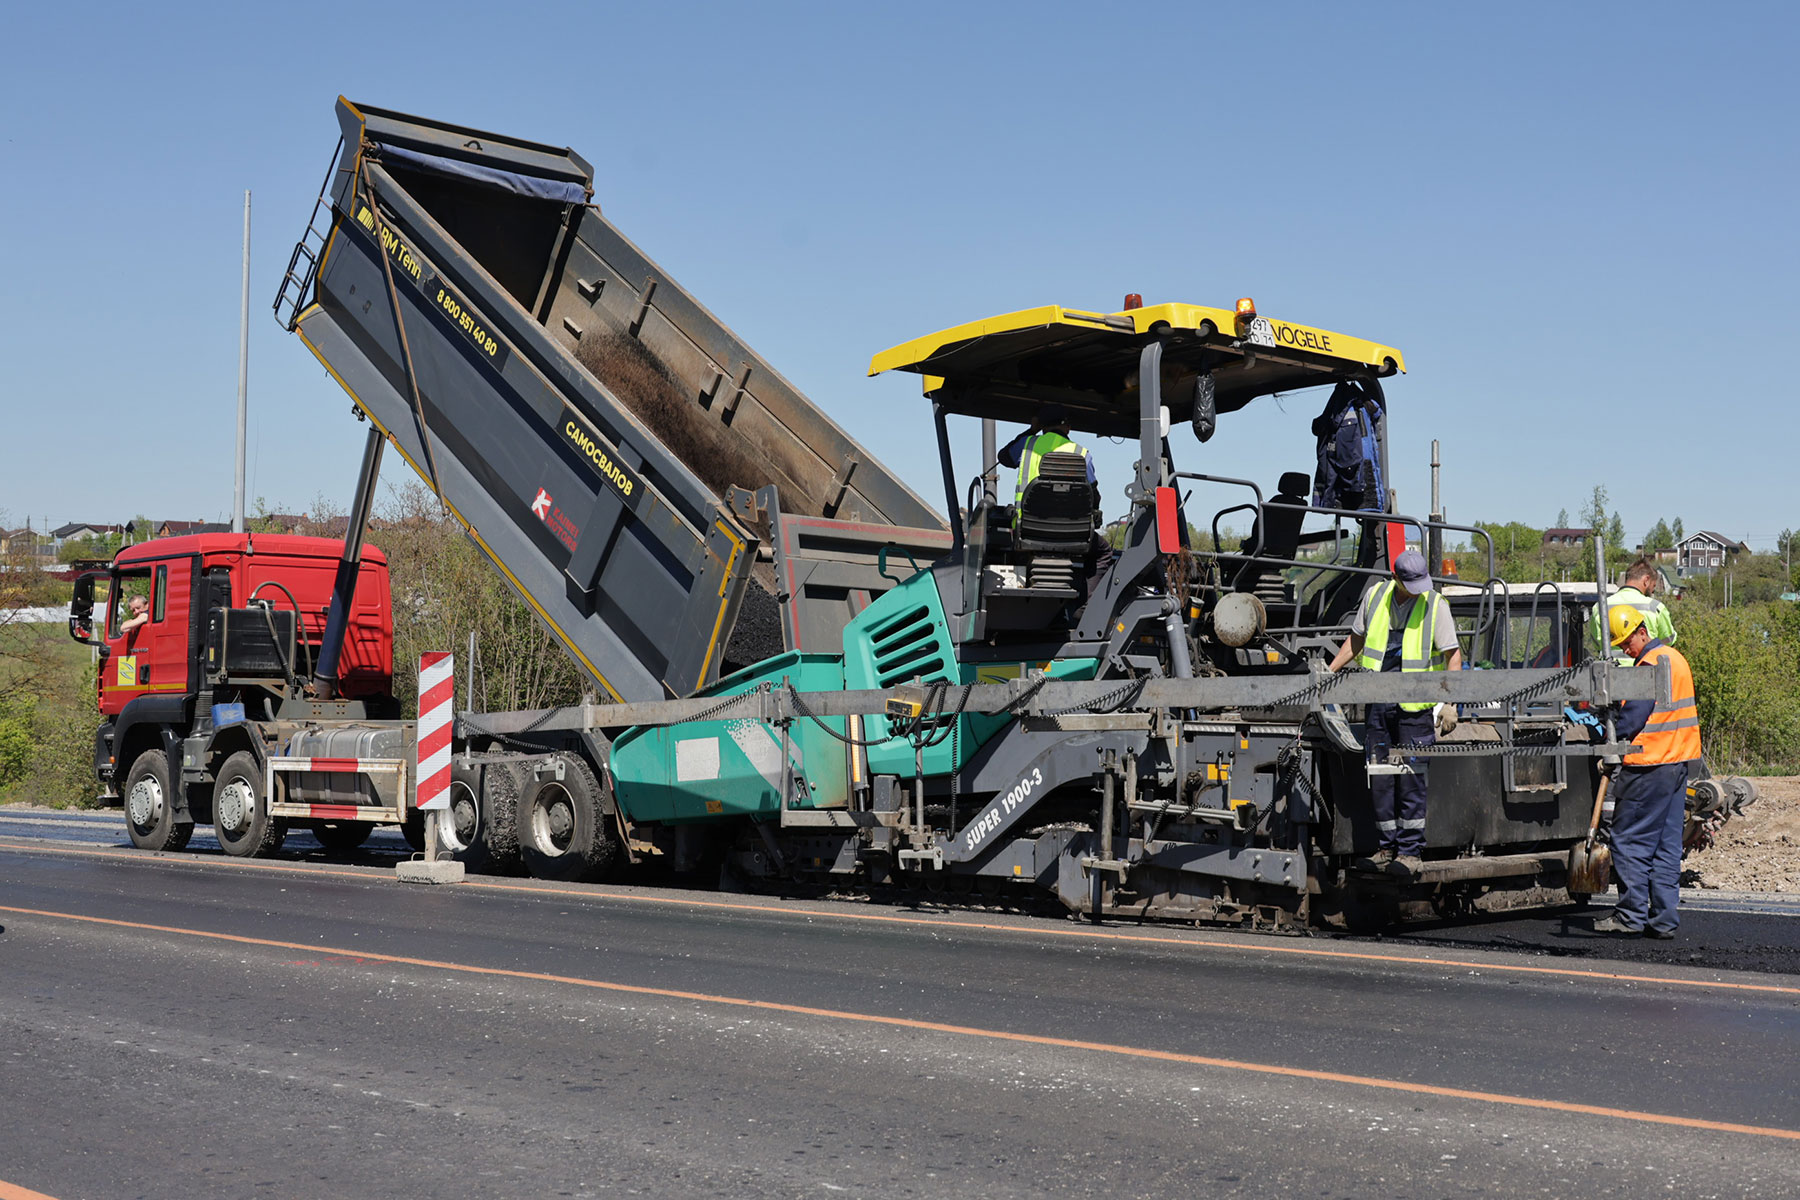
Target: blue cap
x,y
1410,570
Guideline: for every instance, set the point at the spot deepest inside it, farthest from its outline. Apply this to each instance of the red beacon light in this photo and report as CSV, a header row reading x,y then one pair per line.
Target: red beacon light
x,y
1133,300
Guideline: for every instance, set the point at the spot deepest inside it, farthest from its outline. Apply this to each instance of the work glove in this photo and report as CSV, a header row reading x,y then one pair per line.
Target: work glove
x,y
1446,719
1578,717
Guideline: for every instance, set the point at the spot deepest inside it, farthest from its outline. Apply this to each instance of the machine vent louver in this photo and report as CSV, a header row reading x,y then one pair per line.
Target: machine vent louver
x,y
907,646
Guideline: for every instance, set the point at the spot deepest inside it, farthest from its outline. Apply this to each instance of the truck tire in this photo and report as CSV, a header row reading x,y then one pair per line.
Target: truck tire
x,y
241,811
341,837
480,828
149,805
565,826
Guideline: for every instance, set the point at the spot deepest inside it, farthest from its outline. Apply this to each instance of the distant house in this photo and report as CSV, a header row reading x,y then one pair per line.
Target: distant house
x,y
79,529
1567,537
17,541
1705,551
182,528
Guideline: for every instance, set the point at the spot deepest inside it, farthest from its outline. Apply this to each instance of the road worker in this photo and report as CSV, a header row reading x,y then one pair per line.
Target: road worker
x,y
1642,580
1650,789
1401,625
1049,434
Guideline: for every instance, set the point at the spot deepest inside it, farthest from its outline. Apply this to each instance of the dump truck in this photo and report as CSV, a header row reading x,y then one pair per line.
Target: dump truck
x,y
990,702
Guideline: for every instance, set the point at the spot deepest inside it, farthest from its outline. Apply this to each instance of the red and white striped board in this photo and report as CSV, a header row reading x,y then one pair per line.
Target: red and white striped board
x,y
437,691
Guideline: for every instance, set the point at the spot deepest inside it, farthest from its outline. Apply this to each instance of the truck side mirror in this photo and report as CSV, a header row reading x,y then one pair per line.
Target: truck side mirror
x,y
81,609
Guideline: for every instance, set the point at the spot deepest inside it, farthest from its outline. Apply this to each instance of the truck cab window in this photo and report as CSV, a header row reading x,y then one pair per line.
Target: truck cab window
x,y
120,608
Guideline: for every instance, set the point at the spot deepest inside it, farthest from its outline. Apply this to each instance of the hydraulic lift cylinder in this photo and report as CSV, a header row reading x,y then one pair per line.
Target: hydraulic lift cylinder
x,y
343,590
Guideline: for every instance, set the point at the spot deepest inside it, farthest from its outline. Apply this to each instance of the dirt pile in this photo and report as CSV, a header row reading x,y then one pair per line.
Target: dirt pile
x,y
1758,851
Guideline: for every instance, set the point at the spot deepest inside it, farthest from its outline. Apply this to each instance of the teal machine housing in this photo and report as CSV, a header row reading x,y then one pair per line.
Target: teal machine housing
x,y
705,770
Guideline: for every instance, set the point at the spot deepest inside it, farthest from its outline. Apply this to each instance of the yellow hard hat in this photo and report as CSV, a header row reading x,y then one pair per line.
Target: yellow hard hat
x,y
1623,620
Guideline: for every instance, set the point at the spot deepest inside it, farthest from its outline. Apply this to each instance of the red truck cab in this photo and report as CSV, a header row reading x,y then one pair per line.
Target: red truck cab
x,y
233,627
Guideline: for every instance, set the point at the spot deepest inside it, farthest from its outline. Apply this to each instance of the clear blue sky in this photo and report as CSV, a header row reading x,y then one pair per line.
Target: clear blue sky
x,y
1565,215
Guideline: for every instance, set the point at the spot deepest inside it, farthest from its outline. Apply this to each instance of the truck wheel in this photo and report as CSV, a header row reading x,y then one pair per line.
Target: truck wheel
x,y
149,808
341,837
481,825
565,828
241,811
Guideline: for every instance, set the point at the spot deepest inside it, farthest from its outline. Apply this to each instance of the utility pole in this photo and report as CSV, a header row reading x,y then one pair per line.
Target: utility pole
x,y
237,508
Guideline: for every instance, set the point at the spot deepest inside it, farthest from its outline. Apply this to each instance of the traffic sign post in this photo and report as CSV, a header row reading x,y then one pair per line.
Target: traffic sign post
x,y
437,695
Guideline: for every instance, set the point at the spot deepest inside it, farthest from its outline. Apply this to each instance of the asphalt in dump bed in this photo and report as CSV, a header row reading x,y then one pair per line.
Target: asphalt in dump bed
x,y
645,385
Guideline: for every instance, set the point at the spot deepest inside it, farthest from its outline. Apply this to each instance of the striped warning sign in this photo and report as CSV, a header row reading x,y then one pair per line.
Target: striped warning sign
x,y
437,690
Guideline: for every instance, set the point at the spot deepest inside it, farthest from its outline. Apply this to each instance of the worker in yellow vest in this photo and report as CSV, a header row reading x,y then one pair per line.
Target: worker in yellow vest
x,y
1639,591
1650,789
1401,625
1048,435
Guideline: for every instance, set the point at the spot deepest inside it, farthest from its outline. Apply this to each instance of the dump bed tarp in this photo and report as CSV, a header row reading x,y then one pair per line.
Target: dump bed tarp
x,y
560,191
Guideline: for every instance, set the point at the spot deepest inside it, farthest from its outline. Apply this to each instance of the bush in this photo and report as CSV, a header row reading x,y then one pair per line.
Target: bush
x,y
15,742
1746,683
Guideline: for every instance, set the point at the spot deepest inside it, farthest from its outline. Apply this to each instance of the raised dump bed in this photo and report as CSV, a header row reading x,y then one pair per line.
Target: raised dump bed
x,y
580,412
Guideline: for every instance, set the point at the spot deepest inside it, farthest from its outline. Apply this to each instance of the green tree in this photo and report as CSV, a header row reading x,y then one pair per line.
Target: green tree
x,y
1659,537
443,587
1594,515
1615,532
1562,519
1675,531
89,548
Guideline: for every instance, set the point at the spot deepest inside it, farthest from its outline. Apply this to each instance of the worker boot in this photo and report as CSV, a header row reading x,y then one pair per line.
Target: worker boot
x,y
1376,863
1405,866
1612,924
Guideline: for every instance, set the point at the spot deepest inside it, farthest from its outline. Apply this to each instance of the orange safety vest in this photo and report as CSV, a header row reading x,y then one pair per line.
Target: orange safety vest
x,y
1672,735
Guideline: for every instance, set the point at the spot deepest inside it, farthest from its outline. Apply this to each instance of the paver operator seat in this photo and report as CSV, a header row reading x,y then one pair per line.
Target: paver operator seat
x,y
1056,516
1276,534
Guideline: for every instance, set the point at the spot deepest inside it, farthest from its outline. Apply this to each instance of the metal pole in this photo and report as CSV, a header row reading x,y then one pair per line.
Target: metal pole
x,y
237,507
1434,543
1102,838
1600,591
990,444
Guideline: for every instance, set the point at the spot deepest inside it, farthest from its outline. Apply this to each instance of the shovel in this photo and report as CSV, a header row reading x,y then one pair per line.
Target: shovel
x,y
1590,862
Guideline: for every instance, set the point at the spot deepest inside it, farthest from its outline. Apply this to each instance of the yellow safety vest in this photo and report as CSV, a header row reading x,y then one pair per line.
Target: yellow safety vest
x,y
1654,612
1047,442
1417,640
1672,734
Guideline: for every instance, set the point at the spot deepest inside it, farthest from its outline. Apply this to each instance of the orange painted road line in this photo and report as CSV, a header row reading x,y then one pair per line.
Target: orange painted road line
x,y
968,1031
12,1191
1261,946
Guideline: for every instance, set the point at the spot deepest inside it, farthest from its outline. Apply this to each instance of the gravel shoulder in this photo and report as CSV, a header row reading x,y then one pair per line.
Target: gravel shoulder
x,y
1758,851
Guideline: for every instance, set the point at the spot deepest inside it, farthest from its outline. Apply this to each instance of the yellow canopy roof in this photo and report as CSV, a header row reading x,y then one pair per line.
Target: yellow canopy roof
x,y
1011,365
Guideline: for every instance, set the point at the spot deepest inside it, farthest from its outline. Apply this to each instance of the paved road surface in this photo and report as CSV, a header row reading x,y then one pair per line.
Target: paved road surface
x,y
191,1026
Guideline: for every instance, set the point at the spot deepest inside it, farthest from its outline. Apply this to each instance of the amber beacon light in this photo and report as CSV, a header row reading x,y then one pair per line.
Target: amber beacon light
x,y
1246,309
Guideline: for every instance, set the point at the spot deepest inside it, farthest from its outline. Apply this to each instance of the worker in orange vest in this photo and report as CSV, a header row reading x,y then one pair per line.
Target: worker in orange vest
x,y
1650,789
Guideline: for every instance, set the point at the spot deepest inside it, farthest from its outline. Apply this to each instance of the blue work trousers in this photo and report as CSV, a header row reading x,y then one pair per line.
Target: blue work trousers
x,y
1399,799
1649,812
